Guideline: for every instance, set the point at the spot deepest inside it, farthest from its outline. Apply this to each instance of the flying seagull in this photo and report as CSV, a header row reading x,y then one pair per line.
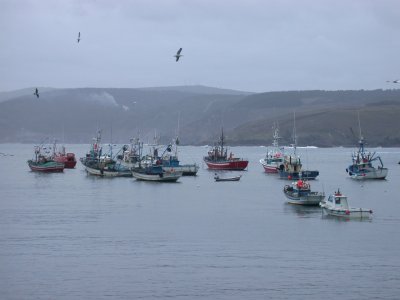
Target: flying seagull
x,y
36,93
178,54
79,36
394,81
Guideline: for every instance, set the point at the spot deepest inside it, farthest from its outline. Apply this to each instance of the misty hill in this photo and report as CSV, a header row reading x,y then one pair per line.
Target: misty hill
x,y
334,127
323,118
4,96
198,89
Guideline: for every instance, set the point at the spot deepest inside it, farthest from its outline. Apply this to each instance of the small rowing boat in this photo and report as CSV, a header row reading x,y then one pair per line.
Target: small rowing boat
x,y
235,178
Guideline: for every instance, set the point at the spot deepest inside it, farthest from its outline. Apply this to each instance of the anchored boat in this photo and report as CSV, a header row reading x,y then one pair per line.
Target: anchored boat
x,y
95,151
217,158
42,163
234,178
363,167
68,159
338,206
169,160
155,173
299,192
274,157
107,169
292,167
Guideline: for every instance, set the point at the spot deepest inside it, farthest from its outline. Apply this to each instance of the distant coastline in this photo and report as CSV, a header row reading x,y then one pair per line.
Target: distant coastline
x,y
323,118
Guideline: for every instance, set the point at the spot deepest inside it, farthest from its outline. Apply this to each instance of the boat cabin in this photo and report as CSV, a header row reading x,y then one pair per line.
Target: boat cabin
x,y
291,164
338,201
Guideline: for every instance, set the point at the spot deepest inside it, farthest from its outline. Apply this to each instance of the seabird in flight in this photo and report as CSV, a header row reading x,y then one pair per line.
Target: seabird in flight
x,y
36,93
178,54
79,36
394,81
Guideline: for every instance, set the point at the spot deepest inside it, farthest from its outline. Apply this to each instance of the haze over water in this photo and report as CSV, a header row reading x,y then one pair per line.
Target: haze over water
x,y
72,236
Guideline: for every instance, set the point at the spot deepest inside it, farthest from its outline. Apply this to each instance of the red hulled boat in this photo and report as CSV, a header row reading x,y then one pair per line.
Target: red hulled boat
x,y
68,159
218,159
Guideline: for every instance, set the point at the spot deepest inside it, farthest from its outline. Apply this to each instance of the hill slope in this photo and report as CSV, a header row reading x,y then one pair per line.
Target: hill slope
x,y
323,118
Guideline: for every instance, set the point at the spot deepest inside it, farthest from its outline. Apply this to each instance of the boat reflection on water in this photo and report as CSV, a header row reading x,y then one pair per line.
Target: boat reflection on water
x,y
301,210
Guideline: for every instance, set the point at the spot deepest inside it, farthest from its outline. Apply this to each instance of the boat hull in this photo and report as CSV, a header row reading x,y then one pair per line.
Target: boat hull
x,y
68,160
269,168
312,199
237,178
372,173
348,214
187,170
47,167
233,165
302,195
107,173
161,177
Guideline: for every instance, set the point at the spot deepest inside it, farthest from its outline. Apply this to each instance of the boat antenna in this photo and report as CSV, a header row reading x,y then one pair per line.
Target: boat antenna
x,y
359,124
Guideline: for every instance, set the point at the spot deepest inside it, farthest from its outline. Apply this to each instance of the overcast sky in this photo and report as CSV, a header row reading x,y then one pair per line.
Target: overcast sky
x,y
251,45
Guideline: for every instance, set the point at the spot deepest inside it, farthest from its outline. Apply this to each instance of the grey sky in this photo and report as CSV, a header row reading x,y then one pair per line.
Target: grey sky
x,y
251,45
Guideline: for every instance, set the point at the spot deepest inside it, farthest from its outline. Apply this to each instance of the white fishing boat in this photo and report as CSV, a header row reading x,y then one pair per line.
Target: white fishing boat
x,y
338,206
300,193
363,167
366,165
274,157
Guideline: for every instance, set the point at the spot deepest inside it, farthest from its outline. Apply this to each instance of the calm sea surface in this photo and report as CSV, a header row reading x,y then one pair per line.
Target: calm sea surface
x,y
73,236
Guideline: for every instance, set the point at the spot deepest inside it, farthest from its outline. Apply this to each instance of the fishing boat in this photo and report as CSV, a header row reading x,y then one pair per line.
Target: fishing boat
x,y
366,165
95,151
61,156
169,161
274,157
107,169
44,164
338,206
292,167
68,159
155,173
217,158
129,155
234,178
299,192
106,166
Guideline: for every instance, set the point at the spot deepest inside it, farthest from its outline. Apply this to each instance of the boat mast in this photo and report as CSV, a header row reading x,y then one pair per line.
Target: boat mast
x,y
276,136
361,141
222,141
177,136
54,148
294,133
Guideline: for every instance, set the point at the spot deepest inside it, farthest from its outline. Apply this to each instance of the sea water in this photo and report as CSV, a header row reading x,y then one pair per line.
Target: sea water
x,y
73,236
